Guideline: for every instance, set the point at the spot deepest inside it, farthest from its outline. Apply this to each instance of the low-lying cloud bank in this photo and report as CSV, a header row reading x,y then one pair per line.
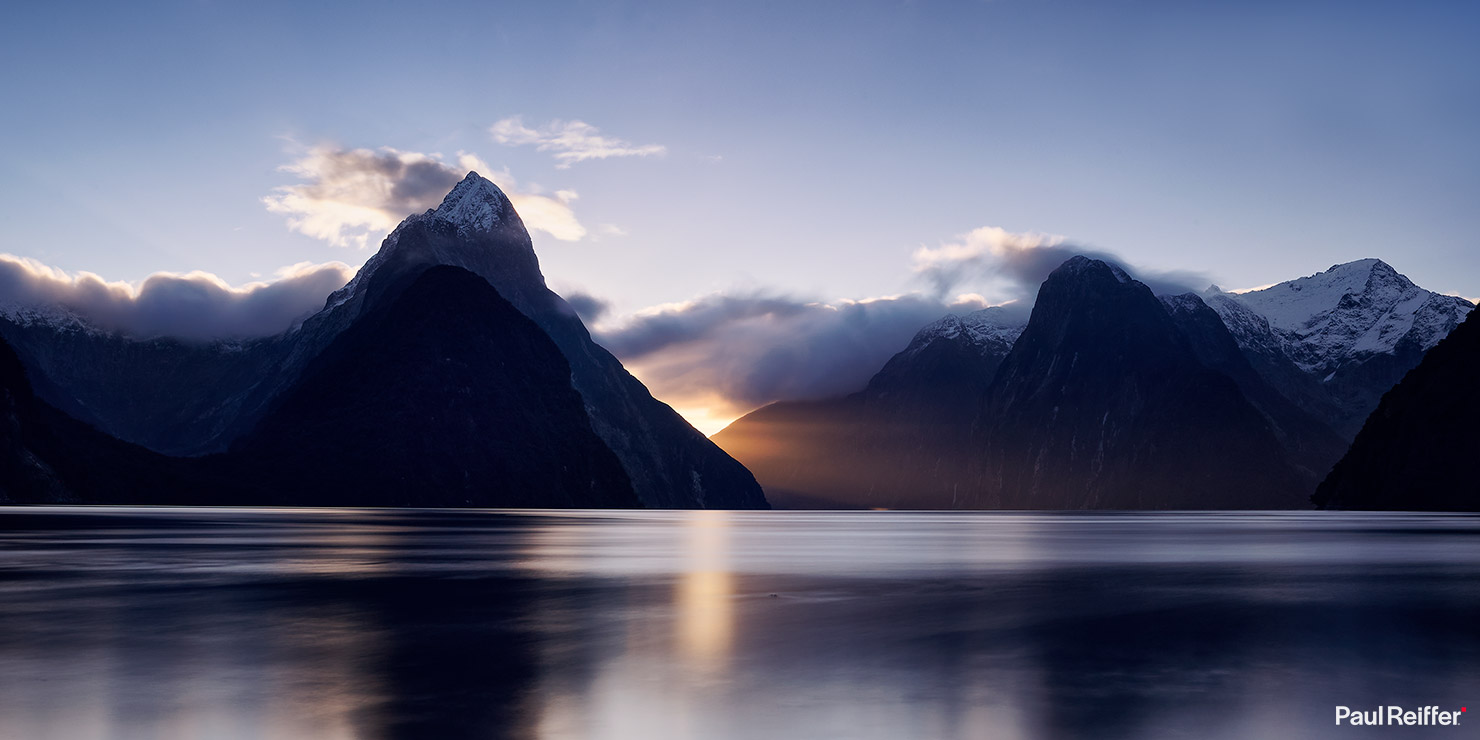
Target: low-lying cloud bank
x,y
196,306
734,353
354,197
729,354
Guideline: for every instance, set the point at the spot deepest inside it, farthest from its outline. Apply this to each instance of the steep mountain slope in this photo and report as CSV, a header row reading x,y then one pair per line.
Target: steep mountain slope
x,y
894,444
1311,446
671,464
1334,342
442,394
1417,451
1103,404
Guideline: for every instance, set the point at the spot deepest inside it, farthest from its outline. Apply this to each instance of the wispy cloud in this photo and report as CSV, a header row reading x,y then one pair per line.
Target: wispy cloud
x,y
354,197
718,356
728,354
1015,264
984,252
569,141
195,305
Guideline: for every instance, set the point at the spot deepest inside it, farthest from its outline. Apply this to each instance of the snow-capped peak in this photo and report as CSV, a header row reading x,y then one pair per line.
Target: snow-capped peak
x,y
1354,309
475,204
996,327
1182,302
54,315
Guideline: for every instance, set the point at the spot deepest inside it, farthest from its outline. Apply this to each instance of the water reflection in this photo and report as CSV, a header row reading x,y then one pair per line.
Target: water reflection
x,y
705,591
384,625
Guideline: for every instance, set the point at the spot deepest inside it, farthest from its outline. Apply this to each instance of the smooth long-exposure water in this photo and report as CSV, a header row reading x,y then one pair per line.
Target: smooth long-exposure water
x,y
215,623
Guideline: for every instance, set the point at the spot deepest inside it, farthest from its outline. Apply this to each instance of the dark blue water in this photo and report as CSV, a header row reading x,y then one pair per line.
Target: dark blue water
x,y
196,623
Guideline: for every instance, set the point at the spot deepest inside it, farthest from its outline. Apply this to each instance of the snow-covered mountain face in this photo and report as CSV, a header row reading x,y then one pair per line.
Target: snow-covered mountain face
x,y
1334,342
991,330
1346,313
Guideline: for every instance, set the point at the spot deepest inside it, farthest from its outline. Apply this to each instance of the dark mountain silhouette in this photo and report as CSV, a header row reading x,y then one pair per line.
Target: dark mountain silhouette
x,y
1417,451
1109,399
47,456
670,464
173,396
899,443
1311,446
442,394
1103,404
198,399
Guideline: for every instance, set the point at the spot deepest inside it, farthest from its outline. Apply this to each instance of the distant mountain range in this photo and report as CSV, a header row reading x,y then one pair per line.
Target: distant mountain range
x,y
447,374
1111,398
428,380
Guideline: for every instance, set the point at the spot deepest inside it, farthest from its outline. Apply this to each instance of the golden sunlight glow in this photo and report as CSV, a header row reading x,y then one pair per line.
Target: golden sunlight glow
x,y
708,420
705,591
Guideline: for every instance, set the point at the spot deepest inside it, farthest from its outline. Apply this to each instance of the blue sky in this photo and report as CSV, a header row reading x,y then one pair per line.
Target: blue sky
x,y
808,148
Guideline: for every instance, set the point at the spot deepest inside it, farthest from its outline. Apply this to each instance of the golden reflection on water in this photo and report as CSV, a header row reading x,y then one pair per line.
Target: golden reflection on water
x,y
703,602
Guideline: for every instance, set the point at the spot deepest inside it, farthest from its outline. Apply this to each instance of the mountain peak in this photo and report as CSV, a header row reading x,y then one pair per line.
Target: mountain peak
x,y
1351,310
474,203
1371,279
1366,264
1082,265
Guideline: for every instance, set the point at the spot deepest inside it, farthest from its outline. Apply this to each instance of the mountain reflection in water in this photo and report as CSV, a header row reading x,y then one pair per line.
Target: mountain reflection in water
x,y
219,623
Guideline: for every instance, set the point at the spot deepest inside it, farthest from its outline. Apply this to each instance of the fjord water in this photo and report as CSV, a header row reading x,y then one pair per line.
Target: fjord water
x,y
213,623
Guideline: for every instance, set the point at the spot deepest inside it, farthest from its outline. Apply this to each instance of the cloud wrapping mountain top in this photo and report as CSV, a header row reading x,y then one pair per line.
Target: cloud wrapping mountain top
x,y
195,306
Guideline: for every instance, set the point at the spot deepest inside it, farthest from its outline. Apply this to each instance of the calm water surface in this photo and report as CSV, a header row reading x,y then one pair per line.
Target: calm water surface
x,y
338,624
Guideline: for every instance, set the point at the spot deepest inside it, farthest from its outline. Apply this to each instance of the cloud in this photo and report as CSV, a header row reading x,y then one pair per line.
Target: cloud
x,y
195,305
1239,291
588,307
1015,264
731,353
721,355
354,197
570,141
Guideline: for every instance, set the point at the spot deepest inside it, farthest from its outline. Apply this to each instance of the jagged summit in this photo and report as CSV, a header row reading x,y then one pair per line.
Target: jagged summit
x,y
475,228
1357,308
998,326
475,203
